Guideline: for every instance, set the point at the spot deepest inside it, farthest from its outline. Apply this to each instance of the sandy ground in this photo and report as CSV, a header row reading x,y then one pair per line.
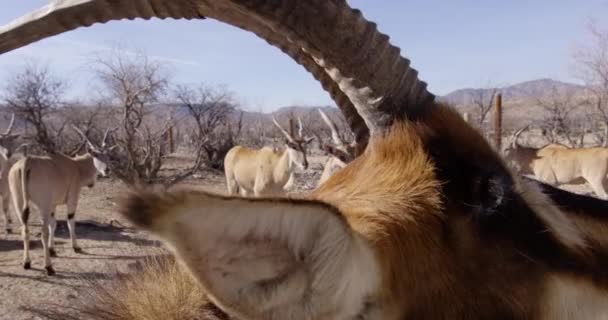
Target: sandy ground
x,y
109,245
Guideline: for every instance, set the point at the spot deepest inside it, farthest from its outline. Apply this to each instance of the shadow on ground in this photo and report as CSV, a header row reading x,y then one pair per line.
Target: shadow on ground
x,y
88,230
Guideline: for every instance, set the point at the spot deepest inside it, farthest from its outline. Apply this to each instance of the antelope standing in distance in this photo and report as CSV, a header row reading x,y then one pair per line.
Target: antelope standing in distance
x,y
557,164
341,153
427,223
8,146
264,171
521,157
49,181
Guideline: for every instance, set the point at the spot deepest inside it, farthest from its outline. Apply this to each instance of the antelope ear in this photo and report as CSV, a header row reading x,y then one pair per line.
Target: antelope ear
x,y
264,258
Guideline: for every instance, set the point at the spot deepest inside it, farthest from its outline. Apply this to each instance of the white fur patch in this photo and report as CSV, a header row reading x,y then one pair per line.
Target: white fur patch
x,y
290,183
573,299
331,166
100,166
296,157
312,263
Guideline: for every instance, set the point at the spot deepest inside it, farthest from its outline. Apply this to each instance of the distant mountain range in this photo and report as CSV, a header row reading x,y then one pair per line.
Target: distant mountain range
x,y
517,96
463,97
523,90
518,101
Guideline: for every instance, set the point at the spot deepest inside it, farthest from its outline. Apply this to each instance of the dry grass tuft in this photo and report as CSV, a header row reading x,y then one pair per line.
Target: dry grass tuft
x,y
161,290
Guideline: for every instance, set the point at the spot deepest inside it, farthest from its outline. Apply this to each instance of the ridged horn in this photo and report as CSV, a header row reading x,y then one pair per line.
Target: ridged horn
x,y
361,61
67,15
64,15
353,119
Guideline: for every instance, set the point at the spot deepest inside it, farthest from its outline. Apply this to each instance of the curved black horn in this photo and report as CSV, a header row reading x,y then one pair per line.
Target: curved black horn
x,y
362,63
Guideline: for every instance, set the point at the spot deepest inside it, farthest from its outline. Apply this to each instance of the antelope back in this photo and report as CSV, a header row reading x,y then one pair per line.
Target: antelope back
x,y
246,166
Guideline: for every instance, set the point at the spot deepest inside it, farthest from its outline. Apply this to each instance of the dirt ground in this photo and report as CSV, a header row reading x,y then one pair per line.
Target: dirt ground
x,y
109,245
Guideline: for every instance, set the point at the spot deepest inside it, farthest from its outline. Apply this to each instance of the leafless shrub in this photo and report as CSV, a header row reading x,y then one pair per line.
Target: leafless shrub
x,y
216,124
89,119
136,85
592,67
559,124
35,95
482,102
257,131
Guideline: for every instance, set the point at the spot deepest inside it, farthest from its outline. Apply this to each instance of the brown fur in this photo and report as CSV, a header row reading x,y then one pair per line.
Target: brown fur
x,y
391,195
445,251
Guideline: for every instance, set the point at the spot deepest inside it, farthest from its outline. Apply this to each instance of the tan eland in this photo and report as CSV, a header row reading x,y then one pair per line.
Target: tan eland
x,y
264,171
557,164
49,181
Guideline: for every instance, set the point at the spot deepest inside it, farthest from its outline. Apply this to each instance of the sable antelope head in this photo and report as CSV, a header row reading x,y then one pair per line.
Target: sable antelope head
x,y
100,153
511,149
427,223
345,152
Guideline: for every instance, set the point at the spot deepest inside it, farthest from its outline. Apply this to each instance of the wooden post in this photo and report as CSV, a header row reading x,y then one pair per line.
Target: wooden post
x,y
291,127
498,122
171,145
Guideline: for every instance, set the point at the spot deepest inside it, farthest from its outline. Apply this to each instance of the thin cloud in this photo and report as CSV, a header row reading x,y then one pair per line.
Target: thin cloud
x,y
97,47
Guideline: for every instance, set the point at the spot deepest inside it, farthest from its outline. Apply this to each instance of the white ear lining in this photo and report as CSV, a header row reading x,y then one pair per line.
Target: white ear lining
x,y
272,259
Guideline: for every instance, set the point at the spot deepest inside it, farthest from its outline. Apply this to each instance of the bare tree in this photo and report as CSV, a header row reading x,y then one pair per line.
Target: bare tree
x,y
136,85
216,128
592,67
34,95
258,131
89,119
483,101
559,124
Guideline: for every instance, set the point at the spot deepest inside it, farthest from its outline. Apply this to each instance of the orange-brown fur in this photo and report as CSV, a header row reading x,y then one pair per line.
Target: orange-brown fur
x,y
386,191
391,195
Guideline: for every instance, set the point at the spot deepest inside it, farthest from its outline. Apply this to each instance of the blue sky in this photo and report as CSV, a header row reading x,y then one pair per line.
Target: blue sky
x,y
453,43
